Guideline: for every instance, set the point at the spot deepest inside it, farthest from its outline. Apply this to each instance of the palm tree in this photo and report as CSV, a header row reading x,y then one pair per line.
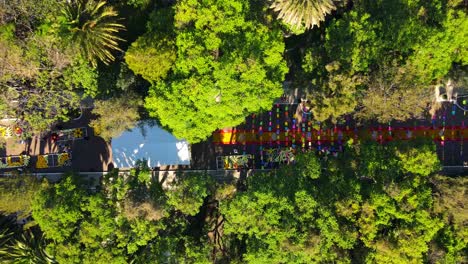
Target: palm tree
x,y
18,246
93,27
7,231
28,248
302,13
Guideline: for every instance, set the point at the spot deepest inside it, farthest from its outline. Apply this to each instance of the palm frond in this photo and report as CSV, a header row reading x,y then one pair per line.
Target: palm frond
x,y
28,248
302,13
94,27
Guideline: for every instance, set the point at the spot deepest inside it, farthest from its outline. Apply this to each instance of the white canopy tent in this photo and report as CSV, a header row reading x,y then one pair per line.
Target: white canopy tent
x,y
152,143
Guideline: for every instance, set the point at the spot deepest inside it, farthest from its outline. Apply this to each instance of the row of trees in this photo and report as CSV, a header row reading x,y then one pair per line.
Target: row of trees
x,y
48,50
130,218
210,63
54,54
380,60
374,204
205,65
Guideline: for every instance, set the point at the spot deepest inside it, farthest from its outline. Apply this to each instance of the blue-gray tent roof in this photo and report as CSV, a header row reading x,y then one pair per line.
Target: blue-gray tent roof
x,y
152,143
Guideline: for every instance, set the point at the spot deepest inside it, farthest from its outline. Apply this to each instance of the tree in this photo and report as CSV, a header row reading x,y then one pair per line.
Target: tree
x,y
170,236
8,228
335,96
27,248
89,227
228,65
93,27
151,61
391,48
396,198
308,165
39,78
145,197
302,13
117,79
435,57
177,244
26,13
392,95
42,105
80,75
18,194
373,32
108,125
153,54
450,195
57,209
188,192
139,3
12,63
288,216
421,160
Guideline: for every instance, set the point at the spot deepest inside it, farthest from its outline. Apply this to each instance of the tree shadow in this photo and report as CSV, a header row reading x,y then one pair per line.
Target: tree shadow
x,y
203,155
91,154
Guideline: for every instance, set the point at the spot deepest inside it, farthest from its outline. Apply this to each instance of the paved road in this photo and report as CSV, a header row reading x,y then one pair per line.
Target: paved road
x,y
94,155
278,129
91,154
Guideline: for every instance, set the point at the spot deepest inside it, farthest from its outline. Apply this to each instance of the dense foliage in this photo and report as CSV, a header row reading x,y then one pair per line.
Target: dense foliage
x,y
112,126
38,69
206,65
18,246
197,66
373,204
118,223
17,194
91,27
387,55
221,61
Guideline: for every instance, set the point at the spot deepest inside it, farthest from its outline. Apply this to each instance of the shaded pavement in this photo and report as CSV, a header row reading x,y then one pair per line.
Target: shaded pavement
x,y
91,153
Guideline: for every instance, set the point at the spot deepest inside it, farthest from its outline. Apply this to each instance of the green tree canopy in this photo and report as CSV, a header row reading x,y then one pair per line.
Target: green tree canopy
x,y
18,194
188,192
88,227
450,195
41,79
434,58
287,216
334,96
396,49
153,54
57,209
27,248
392,94
228,64
420,160
109,125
